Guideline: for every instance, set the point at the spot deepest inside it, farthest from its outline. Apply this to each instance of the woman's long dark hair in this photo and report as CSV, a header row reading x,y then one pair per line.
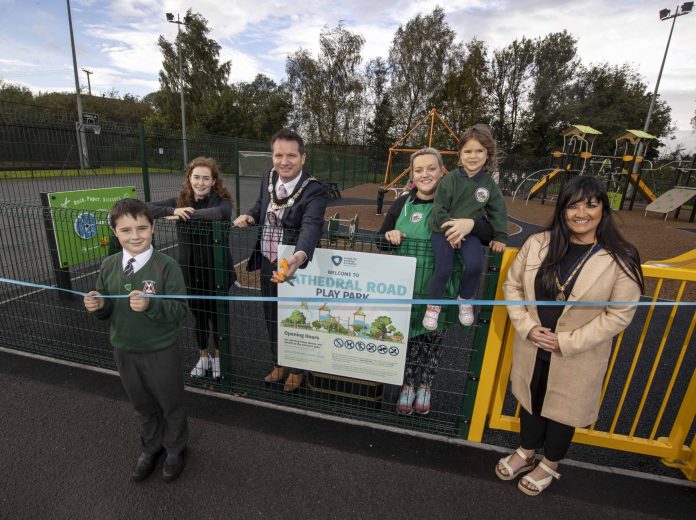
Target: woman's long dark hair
x,y
608,236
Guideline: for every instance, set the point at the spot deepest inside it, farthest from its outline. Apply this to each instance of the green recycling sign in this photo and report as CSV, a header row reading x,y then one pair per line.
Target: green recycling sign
x,y
80,223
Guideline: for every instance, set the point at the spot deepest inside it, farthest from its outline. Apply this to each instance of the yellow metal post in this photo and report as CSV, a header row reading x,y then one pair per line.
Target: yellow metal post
x,y
500,327
685,458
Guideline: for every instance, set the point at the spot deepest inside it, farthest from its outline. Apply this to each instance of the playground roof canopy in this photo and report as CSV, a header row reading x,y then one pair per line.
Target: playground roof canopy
x,y
581,130
633,136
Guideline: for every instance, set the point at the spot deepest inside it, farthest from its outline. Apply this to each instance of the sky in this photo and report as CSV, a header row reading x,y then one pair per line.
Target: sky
x,y
117,39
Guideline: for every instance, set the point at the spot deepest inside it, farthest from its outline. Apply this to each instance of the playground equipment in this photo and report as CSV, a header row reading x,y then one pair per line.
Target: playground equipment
x,y
621,171
392,181
578,141
681,193
335,234
630,163
672,200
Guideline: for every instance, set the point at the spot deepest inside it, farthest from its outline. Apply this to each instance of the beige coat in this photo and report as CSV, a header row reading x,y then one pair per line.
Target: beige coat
x,y
585,334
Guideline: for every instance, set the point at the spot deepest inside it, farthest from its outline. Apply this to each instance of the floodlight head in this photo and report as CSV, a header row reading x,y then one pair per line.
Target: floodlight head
x,y
687,7
664,13
170,17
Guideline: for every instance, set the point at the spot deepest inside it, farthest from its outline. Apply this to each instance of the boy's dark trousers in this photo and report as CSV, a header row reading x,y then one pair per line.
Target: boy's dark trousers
x,y
154,383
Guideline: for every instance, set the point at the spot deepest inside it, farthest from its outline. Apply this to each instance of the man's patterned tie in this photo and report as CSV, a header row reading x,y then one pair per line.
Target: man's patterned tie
x,y
273,232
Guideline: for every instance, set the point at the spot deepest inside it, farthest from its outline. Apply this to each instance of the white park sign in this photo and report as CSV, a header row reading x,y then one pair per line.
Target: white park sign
x,y
352,339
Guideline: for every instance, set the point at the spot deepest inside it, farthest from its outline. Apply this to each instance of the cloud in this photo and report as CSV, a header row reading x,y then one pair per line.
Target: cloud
x,y
118,38
132,48
15,62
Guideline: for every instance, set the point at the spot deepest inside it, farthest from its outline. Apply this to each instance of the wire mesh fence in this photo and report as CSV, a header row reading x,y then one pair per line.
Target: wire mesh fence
x,y
40,151
213,258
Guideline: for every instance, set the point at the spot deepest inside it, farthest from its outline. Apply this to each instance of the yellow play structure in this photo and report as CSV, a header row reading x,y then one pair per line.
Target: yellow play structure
x,y
396,180
578,141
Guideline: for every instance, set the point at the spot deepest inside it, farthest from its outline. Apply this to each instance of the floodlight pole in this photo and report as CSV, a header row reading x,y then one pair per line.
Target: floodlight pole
x,y
82,141
179,23
677,13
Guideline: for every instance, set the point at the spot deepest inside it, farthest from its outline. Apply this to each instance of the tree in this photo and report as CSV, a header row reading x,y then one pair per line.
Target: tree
x,y
129,109
379,129
555,63
613,98
204,77
463,97
417,59
248,110
511,71
327,91
296,318
15,93
380,327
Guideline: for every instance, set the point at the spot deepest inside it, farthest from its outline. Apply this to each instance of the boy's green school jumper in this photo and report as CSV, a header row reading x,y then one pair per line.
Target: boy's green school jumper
x,y
157,327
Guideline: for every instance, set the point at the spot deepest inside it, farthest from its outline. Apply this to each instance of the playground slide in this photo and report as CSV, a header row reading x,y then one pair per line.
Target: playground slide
x,y
545,179
643,188
684,261
671,200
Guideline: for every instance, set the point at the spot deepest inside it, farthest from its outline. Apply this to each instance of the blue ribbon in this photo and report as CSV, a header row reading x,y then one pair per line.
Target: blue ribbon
x,y
363,301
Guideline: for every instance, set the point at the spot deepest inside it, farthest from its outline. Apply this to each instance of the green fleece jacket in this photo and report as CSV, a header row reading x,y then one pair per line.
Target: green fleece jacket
x,y
157,327
461,196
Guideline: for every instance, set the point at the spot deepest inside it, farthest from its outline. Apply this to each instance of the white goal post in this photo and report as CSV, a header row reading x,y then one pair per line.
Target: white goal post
x,y
254,164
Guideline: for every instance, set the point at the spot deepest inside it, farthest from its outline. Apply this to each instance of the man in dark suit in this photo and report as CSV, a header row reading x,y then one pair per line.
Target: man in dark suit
x,y
290,206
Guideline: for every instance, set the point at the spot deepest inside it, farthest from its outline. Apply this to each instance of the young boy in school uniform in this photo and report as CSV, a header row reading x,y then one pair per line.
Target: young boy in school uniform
x,y
143,332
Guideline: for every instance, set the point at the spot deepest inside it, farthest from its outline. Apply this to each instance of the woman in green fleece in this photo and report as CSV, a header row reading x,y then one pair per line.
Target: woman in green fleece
x,y
405,228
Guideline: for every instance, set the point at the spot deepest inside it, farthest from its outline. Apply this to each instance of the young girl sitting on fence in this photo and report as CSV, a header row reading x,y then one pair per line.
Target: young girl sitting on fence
x,y
465,193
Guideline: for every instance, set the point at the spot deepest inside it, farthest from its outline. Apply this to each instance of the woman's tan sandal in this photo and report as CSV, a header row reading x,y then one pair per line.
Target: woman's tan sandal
x,y
504,464
532,487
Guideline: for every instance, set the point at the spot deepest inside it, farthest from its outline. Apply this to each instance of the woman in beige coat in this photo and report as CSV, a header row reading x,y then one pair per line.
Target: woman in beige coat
x,y
561,352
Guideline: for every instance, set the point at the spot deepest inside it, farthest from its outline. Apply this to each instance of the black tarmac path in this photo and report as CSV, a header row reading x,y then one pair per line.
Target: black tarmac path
x,y
68,443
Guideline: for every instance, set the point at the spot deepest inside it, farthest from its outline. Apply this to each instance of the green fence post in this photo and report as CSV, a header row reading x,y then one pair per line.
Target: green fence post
x,y
222,307
355,167
143,158
330,165
478,346
235,160
343,179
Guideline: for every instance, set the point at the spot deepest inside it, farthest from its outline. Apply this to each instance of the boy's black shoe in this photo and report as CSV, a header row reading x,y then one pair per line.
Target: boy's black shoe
x,y
172,471
145,465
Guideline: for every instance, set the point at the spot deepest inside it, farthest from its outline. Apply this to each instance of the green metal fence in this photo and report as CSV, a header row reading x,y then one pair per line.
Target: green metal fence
x,y
39,152
54,323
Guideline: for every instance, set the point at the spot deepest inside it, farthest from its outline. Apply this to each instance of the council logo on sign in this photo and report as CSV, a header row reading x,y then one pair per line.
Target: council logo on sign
x,y
336,260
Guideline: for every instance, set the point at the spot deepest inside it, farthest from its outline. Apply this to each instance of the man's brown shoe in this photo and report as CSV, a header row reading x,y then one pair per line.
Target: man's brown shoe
x,y
293,382
276,375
